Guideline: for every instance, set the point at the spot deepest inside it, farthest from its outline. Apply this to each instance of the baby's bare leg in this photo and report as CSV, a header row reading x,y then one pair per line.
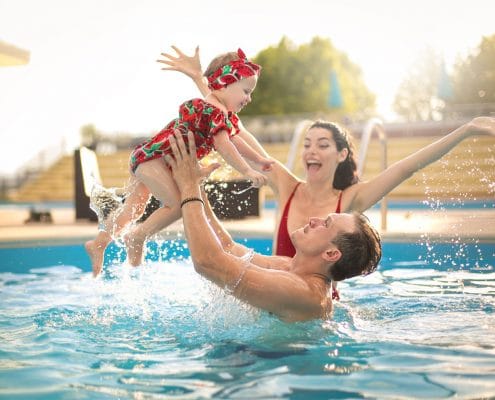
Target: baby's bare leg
x,y
135,239
96,250
133,208
158,179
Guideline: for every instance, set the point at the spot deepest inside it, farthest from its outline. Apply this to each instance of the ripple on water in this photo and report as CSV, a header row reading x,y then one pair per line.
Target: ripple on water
x,y
162,331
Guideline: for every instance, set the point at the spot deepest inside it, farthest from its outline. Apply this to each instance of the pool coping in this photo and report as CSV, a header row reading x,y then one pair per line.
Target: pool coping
x,y
403,226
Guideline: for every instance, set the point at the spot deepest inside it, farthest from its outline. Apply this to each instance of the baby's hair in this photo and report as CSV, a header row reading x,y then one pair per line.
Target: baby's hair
x,y
220,61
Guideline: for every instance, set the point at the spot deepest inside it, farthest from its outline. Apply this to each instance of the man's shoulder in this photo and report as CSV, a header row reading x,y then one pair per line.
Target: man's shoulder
x,y
281,263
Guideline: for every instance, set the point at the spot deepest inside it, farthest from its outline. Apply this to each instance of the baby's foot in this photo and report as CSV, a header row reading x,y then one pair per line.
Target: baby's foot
x,y
96,254
134,246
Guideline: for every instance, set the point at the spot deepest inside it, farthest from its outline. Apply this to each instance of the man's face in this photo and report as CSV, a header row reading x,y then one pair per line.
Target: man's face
x,y
318,234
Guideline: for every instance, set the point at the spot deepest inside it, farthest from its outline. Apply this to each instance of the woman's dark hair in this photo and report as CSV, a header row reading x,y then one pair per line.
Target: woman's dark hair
x,y
361,250
346,172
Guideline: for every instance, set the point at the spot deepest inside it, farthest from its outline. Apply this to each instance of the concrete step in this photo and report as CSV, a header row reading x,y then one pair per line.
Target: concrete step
x,y
468,169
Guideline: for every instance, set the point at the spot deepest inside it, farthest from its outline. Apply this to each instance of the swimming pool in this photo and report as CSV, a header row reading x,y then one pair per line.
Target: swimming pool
x,y
421,327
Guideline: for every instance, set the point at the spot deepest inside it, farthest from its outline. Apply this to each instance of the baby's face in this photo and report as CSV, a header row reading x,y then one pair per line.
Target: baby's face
x,y
238,94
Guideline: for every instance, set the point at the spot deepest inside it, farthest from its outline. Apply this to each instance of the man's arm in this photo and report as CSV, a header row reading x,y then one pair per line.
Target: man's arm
x,y
237,249
285,294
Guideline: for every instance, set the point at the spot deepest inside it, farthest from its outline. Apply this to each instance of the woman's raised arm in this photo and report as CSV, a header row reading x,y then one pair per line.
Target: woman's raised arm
x,y
366,194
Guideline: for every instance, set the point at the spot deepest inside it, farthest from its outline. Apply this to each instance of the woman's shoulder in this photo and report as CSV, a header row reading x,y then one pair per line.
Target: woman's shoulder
x,y
349,197
283,182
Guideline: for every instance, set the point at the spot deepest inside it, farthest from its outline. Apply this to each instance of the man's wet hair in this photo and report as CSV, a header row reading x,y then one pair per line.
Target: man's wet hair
x,y
361,250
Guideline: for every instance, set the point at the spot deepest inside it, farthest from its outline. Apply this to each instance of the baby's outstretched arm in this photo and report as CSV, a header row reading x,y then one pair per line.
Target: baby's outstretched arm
x,y
251,154
233,157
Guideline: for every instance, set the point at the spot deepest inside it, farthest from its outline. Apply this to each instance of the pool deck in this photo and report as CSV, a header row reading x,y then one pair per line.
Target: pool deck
x,y
402,225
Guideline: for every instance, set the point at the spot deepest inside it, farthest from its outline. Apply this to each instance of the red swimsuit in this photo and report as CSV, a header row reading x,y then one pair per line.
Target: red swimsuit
x,y
284,244
202,118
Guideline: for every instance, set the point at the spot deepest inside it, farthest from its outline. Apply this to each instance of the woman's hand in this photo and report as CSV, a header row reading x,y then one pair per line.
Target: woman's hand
x,y
484,125
189,65
265,163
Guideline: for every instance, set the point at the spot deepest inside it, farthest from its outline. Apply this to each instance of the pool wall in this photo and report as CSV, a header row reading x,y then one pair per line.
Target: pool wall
x,y
442,255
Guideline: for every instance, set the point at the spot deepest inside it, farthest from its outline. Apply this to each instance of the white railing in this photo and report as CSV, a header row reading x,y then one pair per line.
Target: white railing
x,y
301,128
37,164
374,125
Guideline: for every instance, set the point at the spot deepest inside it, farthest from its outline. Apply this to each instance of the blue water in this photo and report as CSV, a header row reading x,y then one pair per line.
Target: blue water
x,y
420,327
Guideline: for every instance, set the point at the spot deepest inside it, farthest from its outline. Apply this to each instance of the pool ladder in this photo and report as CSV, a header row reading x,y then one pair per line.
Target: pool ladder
x,y
372,125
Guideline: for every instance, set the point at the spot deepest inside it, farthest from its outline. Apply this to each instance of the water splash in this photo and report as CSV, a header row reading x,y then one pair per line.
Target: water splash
x,y
161,331
452,168
104,201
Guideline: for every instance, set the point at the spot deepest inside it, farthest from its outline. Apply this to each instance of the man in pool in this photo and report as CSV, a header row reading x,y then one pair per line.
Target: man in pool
x,y
294,289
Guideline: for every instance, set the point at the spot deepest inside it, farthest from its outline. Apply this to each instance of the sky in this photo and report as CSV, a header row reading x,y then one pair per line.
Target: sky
x,y
93,61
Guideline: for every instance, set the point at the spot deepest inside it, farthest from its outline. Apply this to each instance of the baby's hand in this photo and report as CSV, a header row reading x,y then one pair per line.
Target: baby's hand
x,y
266,163
189,65
257,179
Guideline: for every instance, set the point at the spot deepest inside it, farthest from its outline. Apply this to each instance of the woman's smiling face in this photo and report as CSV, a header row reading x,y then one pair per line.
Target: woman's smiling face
x,y
320,155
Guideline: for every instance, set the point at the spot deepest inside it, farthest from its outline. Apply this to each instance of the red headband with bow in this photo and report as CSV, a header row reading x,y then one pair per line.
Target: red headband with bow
x,y
232,72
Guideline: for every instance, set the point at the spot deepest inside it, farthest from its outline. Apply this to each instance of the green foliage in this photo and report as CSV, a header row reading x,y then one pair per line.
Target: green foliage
x,y
474,77
473,82
297,79
89,135
416,98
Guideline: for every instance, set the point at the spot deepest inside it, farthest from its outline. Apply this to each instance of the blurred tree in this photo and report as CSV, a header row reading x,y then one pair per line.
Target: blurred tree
x,y
474,77
89,136
296,79
416,98
428,93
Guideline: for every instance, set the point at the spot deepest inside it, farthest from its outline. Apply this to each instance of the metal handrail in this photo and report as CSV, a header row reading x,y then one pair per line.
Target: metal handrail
x,y
294,144
32,168
374,125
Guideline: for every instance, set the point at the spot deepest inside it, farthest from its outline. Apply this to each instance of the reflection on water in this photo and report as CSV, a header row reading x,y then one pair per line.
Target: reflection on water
x,y
410,330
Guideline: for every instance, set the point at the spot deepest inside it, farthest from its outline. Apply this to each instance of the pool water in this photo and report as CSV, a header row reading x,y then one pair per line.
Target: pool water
x,y
420,327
